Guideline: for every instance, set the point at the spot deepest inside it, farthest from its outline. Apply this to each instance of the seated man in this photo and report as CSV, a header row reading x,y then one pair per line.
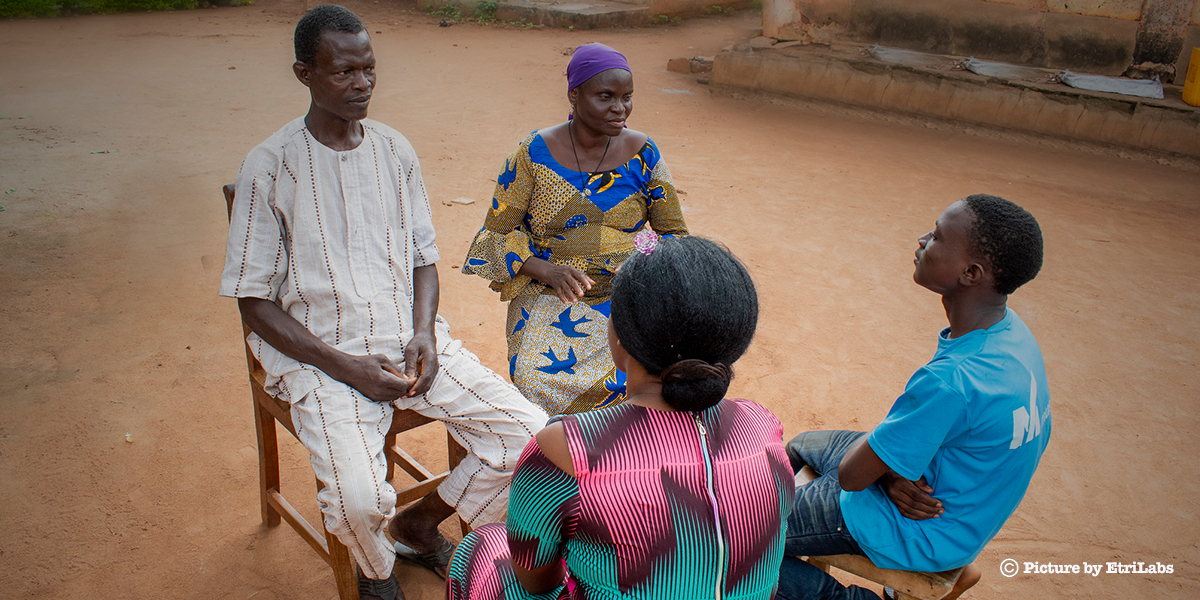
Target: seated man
x,y
331,256
935,481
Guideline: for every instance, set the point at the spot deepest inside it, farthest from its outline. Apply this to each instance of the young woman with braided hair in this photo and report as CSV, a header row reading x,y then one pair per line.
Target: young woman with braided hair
x,y
678,492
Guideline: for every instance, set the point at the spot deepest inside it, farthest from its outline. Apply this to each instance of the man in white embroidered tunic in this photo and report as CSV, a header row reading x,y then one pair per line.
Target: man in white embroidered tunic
x,y
331,256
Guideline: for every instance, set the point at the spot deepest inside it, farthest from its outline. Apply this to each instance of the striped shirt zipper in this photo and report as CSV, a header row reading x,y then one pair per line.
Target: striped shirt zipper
x,y
712,498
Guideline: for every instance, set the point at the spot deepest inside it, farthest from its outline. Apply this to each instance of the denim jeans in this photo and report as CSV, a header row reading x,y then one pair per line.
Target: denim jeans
x,y
816,527
799,580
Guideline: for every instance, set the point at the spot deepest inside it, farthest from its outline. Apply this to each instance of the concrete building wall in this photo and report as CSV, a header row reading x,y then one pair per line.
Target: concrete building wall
x,y
1129,10
1092,36
1191,41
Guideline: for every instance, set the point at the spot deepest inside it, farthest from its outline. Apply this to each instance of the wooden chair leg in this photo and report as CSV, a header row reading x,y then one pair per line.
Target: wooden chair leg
x,y
389,442
456,454
454,450
345,574
268,462
344,571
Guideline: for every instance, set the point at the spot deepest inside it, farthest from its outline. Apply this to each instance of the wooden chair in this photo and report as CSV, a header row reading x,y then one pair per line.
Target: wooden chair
x,y
907,584
268,410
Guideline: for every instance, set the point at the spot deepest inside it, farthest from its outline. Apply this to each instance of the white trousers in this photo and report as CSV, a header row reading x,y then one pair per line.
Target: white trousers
x,y
344,432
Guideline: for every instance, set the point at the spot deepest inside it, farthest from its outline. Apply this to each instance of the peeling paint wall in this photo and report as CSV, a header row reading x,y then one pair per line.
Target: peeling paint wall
x,y
1093,36
1163,28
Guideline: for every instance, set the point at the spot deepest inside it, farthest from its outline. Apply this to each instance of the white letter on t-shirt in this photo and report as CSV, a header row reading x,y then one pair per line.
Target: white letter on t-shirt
x,y
1035,421
1027,424
1020,425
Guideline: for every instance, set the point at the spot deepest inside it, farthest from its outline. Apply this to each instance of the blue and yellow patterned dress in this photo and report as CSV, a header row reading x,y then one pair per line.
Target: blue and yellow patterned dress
x,y
558,354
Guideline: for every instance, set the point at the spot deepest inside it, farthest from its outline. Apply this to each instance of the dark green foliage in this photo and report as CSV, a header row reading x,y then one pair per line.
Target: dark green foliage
x,y
448,10
52,8
485,10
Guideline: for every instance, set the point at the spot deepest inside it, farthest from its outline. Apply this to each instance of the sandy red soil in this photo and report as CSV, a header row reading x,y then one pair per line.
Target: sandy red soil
x,y
111,326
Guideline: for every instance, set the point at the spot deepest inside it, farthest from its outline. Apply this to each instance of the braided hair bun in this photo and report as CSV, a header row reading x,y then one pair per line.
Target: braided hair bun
x,y
686,312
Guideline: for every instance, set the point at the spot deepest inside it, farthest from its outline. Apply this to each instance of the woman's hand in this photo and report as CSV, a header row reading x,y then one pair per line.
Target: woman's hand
x,y
568,282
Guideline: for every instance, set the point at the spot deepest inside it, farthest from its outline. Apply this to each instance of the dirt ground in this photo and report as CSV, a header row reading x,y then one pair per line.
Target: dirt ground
x,y
127,449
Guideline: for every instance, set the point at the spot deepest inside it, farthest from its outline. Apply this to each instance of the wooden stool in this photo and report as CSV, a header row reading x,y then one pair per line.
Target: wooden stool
x,y
908,584
268,410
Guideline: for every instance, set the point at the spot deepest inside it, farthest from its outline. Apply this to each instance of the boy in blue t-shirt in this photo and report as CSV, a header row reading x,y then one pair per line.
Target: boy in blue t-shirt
x,y
934,482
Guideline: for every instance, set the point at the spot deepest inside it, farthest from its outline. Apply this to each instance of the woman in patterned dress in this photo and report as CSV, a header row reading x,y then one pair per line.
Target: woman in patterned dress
x,y
676,493
563,217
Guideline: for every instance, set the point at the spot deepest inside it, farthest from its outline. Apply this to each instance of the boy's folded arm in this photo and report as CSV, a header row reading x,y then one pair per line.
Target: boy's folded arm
x,y
860,467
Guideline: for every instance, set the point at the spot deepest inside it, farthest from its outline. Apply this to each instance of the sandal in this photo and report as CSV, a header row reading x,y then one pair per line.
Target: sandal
x,y
437,561
387,589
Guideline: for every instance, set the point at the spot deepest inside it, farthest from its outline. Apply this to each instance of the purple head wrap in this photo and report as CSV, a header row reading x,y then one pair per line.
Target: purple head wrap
x,y
591,59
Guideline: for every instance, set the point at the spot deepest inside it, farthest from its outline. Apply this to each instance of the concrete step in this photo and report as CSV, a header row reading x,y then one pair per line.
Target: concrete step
x,y
847,74
574,13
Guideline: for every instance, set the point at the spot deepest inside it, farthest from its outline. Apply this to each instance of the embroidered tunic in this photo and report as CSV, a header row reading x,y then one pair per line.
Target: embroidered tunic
x,y
332,237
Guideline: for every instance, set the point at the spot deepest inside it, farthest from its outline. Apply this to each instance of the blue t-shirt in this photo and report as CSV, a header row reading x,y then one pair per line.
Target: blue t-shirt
x,y
974,422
